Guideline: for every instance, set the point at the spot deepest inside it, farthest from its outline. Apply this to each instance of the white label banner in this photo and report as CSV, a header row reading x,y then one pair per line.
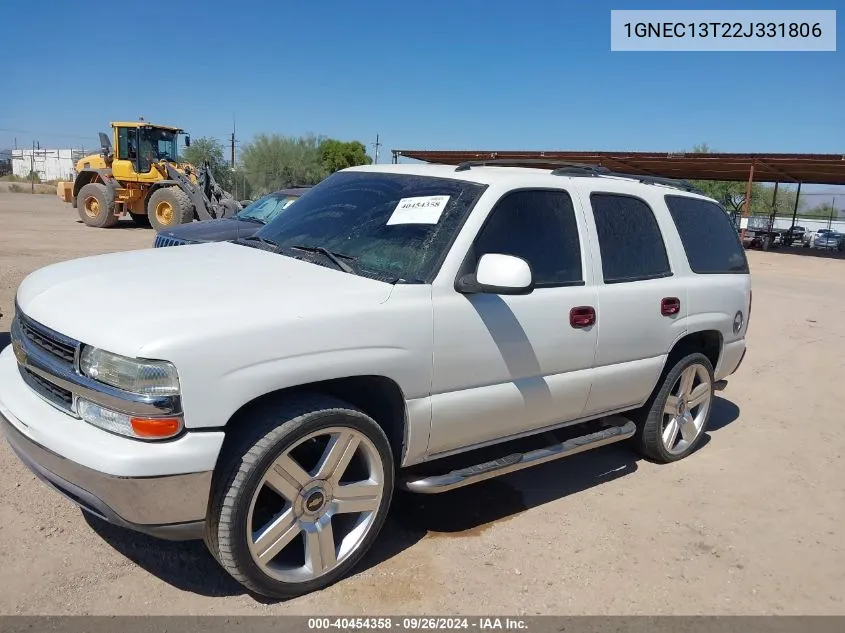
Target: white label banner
x,y
419,210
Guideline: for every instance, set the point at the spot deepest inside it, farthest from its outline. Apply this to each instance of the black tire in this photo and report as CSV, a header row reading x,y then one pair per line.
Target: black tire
x,y
169,207
95,204
140,219
269,432
650,418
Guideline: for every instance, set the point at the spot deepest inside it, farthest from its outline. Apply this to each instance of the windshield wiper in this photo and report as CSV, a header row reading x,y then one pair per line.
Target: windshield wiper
x,y
275,246
332,256
248,218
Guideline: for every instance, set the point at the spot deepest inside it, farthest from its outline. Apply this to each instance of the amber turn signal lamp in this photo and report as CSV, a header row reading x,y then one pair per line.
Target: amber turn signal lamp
x,y
156,427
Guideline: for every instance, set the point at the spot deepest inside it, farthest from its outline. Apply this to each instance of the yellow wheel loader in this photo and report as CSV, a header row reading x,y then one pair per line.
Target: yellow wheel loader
x,y
144,177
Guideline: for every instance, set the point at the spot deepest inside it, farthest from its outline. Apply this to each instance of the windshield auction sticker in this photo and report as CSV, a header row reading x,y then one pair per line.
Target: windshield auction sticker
x,y
420,210
723,30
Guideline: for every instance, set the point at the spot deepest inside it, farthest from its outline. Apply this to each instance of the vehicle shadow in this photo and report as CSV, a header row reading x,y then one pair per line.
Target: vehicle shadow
x,y
461,513
125,225
5,339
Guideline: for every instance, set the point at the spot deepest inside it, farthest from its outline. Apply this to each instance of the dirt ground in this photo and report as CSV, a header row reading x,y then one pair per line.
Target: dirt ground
x,y
751,524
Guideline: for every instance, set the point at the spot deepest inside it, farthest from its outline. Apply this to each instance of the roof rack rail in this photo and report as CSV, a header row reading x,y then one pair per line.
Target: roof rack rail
x,y
520,162
566,168
684,185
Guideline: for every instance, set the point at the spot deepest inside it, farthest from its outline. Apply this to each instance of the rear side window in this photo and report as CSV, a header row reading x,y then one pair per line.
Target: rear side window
x,y
632,247
539,226
709,238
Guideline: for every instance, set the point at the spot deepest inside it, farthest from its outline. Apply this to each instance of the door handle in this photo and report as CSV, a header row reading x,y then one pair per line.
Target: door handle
x,y
670,306
582,316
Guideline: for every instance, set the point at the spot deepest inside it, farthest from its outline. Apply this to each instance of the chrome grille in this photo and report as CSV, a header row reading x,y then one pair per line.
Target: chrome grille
x,y
47,341
162,241
61,398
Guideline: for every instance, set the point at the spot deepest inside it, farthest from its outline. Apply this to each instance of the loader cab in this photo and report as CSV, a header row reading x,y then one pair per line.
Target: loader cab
x,y
138,146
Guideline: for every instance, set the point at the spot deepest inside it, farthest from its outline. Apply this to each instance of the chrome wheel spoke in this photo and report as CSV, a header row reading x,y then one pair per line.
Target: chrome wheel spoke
x,y
364,496
689,430
276,536
287,477
336,457
320,552
687,378
673,404
699,395
670,433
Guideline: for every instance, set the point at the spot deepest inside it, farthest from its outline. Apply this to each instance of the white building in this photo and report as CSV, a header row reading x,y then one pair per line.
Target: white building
x,y
49,164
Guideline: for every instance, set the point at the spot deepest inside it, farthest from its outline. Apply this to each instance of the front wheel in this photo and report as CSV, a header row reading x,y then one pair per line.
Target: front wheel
x,y
303,498
169,207
673,421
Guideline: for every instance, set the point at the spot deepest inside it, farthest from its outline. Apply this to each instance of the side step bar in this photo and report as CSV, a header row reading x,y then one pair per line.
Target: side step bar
x,y
517,461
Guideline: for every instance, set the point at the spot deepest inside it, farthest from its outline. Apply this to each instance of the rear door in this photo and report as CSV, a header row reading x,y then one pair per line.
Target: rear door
x,y
642,302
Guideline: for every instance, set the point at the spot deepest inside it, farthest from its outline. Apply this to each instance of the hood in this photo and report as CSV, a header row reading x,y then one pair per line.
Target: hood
x,y
213,230
134,301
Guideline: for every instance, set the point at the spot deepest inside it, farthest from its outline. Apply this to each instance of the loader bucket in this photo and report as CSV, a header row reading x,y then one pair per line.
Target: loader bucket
x,y
65,191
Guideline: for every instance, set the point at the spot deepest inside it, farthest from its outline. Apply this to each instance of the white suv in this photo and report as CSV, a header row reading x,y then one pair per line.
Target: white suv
x,y
422,326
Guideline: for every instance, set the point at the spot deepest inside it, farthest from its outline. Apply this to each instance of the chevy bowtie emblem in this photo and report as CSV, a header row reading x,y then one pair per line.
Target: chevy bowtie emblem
x,y
19,352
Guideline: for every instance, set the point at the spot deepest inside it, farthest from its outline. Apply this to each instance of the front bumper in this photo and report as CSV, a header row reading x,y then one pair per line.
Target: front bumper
x,y
137,503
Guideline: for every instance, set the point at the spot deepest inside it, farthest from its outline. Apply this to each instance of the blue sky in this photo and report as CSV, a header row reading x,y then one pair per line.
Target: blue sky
x,y
439,74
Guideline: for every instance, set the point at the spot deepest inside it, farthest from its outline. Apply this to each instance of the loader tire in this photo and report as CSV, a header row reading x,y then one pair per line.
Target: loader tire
x,y
169,207
95,204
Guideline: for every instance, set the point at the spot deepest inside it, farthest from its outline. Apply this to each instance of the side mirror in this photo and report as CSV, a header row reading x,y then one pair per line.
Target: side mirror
x,y
498,274
187,141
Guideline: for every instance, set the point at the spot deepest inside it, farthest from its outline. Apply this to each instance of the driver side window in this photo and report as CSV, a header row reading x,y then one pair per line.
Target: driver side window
x,y
540,227
127,144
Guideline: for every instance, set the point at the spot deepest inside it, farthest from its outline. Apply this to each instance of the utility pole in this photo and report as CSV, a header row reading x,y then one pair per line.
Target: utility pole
x,y
232,158
377,145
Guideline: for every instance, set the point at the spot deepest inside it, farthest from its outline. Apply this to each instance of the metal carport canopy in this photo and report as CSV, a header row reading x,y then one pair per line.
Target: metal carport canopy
x,y
809,168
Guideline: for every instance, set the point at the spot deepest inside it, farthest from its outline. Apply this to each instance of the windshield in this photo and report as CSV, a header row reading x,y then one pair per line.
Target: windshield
x,y
156,144
393,225
267,208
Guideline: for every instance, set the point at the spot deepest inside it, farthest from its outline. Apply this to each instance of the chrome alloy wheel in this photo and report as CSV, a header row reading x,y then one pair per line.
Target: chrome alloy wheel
x,y
303,522
686,409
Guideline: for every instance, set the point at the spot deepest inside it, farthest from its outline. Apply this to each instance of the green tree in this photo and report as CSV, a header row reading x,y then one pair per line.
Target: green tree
x,y
273,162
337,155
209,150
731,193
823,211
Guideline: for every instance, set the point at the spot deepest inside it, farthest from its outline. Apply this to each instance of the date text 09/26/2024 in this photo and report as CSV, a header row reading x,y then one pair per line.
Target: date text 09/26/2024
x,y
417,623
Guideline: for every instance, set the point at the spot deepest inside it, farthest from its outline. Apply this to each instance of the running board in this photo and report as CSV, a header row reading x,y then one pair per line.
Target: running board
x,y
517,461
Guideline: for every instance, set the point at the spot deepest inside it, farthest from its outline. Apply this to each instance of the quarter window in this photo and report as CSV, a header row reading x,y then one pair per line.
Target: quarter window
x,y
631,244
540,227
708,235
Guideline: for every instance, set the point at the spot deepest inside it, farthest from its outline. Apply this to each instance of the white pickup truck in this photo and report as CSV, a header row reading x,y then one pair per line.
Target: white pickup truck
x,y
421,326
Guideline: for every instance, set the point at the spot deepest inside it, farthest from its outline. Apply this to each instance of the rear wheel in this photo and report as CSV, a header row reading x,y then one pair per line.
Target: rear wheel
x,y
297,505
673,421
169,207
95,204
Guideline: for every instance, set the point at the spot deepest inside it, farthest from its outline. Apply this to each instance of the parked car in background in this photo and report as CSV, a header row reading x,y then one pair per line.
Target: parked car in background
x,y
810,237
829,240
245,223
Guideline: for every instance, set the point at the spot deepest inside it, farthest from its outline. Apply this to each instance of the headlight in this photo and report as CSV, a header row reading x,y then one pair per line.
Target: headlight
x,y
130,426
145,377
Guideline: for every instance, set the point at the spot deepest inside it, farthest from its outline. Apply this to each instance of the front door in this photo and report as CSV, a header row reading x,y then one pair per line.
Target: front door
x,y
509,365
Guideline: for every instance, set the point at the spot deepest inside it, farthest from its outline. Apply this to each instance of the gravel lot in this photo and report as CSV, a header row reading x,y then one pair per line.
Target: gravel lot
x,y
751,524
